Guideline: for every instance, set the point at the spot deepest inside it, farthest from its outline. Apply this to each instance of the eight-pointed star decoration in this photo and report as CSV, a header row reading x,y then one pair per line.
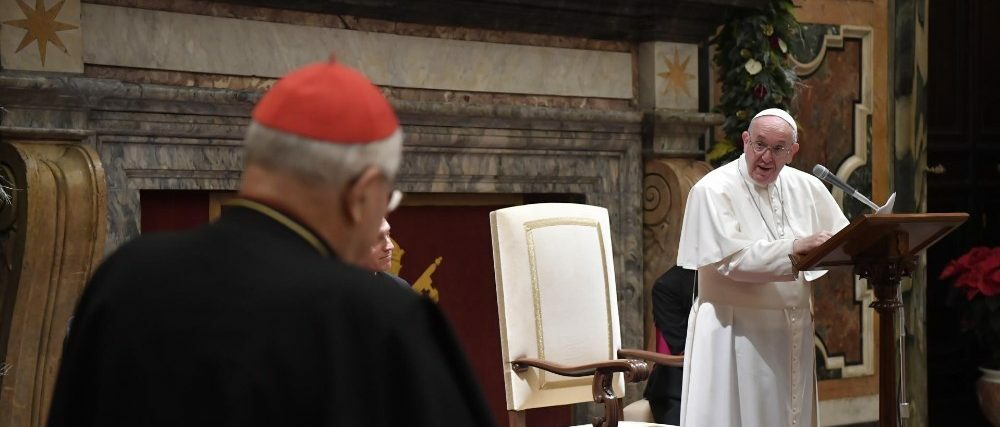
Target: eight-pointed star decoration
x,y
41,26
676,76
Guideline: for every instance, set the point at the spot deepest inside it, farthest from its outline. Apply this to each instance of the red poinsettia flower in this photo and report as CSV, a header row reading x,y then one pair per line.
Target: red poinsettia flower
x,y
976,272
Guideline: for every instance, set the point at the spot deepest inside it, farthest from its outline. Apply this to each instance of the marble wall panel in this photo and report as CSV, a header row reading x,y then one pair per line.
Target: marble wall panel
x,y
832,108
127,37
854,411
295,17
41,36
824,110
668,75
186,78
135,163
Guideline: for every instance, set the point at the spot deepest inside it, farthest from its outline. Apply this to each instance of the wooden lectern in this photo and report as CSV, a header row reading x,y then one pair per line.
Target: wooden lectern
x,y
882,249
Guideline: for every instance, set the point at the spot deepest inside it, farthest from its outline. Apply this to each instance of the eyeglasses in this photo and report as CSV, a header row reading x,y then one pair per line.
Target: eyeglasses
x,y
395,197
776,152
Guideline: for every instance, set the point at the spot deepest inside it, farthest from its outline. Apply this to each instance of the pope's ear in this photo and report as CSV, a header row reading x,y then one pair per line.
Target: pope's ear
x,y
794,150
358,192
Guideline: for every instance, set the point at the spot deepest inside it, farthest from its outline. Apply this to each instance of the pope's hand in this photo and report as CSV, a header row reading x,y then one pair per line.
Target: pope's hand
x,y
804,245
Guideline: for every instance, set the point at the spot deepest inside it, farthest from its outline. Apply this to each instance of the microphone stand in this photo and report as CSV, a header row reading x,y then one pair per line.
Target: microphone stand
x,y
902,403
861,197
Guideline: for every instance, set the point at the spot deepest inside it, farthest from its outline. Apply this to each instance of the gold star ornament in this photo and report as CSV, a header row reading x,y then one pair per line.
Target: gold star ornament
x,y
41,25
676,76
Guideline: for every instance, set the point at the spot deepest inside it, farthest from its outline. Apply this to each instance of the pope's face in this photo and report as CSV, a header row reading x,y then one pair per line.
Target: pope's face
x,y
768,146
381,253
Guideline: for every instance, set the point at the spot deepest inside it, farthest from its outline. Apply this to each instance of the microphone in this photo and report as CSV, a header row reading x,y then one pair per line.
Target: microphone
x,y
823,173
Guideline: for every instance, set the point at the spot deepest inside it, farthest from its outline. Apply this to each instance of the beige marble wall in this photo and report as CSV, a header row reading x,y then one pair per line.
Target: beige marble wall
x,y
668,75
46,38
314,19
850,411
127,37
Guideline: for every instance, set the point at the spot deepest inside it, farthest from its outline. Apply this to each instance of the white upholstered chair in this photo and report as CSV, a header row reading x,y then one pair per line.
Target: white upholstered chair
x,y
558,309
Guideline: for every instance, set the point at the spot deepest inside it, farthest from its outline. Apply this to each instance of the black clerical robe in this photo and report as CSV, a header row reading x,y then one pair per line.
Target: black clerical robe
x,y
672,294
394,279
245,322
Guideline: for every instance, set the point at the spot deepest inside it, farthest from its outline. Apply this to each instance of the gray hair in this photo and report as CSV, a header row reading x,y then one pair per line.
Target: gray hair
x,y
791,124
320,161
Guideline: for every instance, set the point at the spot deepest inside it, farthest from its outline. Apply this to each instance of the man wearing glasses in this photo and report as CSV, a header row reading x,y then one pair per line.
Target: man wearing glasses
x,y
263,318
750,357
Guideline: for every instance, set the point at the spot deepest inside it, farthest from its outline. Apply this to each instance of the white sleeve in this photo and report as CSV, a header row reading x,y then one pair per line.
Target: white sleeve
x,y
760,262
710,232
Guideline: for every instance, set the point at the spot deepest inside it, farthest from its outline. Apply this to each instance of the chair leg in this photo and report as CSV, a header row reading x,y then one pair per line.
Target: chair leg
x,y
516,419
605,393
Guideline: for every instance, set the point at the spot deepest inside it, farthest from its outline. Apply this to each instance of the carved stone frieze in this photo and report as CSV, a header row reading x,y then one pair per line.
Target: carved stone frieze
x,y
678,133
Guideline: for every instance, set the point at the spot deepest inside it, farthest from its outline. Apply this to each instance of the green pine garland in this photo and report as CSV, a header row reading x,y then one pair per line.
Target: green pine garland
x,y
754,69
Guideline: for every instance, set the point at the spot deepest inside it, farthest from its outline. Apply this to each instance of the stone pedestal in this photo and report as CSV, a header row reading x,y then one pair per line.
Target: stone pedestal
x,y
51,239
675,136
666,185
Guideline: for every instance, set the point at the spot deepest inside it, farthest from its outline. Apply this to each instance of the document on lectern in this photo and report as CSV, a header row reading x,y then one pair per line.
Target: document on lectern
x,y
887,207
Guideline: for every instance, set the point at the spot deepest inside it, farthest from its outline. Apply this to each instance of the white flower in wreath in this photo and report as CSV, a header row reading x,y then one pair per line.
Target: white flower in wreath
x,y
753,66
783,46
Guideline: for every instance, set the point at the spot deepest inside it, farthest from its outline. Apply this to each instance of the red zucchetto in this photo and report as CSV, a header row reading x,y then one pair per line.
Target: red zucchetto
x,y
327,102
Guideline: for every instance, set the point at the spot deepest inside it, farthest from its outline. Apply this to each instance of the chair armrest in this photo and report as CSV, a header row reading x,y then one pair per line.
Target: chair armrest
x,y
635,370
627,366
652,356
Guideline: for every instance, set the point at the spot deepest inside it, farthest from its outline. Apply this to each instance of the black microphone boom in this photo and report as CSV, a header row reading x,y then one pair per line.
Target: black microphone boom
x,y
823,173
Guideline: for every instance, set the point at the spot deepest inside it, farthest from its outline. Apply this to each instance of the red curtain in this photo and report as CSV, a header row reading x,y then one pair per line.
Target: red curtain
x,y
168,210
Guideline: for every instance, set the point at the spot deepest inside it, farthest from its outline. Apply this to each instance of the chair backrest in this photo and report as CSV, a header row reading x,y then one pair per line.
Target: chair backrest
x,y
556,298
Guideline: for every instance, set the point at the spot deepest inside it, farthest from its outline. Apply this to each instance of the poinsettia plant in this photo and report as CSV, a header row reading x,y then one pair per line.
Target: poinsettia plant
x,y
977,275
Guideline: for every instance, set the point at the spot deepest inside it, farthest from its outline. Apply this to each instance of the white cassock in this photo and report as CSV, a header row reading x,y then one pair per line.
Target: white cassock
x,y
749,358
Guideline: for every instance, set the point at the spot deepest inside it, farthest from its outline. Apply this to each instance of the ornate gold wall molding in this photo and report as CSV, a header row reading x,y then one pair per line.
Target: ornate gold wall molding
x,y
666,185
52,239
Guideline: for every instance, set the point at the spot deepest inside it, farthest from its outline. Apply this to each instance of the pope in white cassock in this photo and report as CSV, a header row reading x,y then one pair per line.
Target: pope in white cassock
x,y
749,355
